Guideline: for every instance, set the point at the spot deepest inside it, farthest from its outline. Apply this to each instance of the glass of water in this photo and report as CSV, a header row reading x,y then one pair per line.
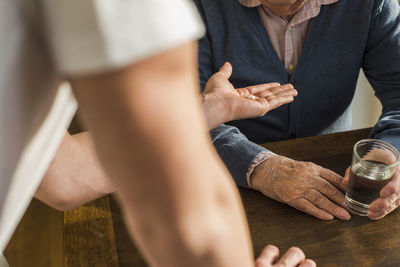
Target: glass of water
x,y
373,165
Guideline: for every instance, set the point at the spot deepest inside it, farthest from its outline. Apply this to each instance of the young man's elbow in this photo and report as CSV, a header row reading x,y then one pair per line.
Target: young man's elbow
x,y
58,202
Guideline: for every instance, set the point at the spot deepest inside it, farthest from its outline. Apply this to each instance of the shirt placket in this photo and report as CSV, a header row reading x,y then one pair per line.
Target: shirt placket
x,y
289,47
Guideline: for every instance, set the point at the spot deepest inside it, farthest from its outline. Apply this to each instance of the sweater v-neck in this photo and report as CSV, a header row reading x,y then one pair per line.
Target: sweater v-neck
x,y
273,56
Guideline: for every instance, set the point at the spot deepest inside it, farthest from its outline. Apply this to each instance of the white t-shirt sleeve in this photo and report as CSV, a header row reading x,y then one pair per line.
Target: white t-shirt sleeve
x,y
89,36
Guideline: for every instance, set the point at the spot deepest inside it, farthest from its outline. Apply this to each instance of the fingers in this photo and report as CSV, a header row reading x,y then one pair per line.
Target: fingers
x,y
329,190
268,256
276,101
308,263
261,88
326,186
226,70
322,202
269,95
278,96
383,206
286,92
389,189
388,201
316,201
306,206
393,187
345,181
332,177
269,103
293,257
266,90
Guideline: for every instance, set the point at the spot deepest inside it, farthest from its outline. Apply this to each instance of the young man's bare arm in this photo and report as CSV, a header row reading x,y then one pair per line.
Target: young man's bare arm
x,y
150,135
75,176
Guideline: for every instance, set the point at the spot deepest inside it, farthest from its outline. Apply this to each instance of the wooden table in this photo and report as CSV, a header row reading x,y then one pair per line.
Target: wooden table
x,y
94,234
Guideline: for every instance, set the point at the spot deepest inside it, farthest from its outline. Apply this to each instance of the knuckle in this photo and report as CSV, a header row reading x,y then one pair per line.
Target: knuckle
x,y
388,209
309,193
394,185
283,263
296,203
260,262
317,199
309,164
334,194
297,251
272,248
393,205
309,263
384,205
293,195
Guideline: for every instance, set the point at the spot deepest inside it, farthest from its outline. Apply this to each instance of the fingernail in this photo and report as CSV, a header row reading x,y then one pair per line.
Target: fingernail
x,y
373,216
345,216
374,208
385,192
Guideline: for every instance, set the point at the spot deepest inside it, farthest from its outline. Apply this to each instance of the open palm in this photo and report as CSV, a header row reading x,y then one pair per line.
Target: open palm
x,y
223,102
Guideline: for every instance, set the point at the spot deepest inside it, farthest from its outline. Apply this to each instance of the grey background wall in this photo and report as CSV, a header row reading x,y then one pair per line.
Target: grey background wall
x,y
366,108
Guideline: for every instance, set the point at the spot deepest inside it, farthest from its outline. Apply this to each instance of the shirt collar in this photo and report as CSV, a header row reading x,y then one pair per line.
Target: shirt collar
x,y
254,3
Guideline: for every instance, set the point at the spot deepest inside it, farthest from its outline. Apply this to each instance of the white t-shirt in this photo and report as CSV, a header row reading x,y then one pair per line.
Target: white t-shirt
x,y
43,41
3,262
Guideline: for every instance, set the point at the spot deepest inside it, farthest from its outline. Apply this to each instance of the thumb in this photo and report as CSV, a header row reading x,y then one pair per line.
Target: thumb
x,y
226,70
346,176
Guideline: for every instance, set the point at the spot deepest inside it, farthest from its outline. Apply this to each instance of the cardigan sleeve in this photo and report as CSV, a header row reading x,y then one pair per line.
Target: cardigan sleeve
x,y
237,152
381,65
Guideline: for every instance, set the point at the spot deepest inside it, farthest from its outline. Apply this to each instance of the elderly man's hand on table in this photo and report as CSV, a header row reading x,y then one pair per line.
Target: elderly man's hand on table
x,y
222,102
302,185
389,198
293,257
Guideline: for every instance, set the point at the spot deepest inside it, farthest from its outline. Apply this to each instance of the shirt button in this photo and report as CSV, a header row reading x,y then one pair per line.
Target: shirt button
x,y
291,68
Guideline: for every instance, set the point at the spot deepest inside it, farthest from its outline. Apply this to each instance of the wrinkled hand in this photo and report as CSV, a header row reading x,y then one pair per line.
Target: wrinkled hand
x,y
389,198
222,102
292,258
302,185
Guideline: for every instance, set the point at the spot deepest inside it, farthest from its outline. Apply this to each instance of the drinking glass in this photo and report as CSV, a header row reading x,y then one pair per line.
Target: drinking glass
x,y
373,165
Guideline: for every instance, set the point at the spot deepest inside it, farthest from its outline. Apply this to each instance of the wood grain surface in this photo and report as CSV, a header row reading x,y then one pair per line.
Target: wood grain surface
x,y
89,238
37,241
95,235
358,242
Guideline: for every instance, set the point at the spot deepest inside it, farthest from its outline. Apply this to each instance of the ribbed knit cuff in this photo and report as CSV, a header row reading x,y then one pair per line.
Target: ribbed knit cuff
x,y
263,156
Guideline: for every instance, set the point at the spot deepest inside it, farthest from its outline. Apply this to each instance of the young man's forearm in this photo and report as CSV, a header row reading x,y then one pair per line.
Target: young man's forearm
x,y
75,176
177,197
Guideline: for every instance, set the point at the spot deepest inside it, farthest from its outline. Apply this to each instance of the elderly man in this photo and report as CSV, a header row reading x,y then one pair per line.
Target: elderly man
x,y
319,46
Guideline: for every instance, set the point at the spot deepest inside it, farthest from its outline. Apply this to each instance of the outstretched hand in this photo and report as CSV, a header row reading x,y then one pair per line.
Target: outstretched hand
x,y
222,102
